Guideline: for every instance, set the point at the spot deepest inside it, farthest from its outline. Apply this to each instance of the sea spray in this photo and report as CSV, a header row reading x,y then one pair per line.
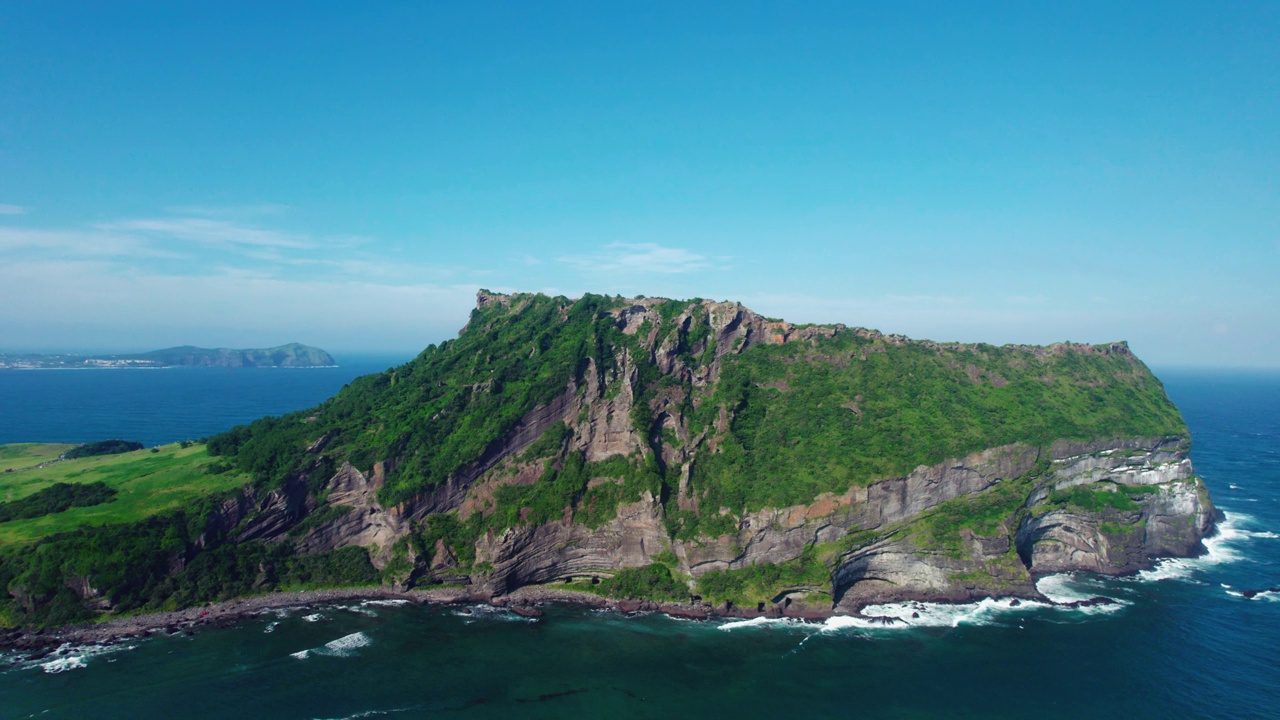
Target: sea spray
x,y
342,647
1220,548
72,657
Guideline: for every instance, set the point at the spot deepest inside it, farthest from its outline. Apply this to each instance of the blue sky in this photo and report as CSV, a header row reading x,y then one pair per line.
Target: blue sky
x,y
349,175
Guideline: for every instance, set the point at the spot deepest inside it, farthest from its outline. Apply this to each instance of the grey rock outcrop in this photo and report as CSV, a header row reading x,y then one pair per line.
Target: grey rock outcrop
x,y
875,538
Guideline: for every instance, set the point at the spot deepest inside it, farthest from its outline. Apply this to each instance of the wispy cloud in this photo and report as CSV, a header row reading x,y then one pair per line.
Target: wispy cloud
x,y
149,277
44,303
78,244
912,300
209,232
256,210
639,258
12,209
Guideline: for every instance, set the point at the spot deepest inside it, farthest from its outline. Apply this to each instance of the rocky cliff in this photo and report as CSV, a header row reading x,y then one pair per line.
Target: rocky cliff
x,y
791,468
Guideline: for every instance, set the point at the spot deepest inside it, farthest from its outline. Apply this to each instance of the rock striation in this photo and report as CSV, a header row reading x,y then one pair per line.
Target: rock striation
x,y
984,523
699,455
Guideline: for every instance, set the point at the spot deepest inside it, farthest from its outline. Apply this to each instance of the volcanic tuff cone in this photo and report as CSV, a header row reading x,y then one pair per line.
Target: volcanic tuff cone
x,y
743,457
672,450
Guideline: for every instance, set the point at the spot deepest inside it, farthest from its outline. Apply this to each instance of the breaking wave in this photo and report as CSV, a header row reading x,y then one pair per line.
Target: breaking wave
x,y
1220,548
760,622
986,612
342,647
488,612
72,657
370,714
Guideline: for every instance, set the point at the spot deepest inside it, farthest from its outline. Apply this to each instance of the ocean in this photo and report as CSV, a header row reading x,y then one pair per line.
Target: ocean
x,y
1181,642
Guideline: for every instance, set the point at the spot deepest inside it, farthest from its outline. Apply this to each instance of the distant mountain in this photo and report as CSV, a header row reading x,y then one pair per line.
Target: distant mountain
x,y
293,355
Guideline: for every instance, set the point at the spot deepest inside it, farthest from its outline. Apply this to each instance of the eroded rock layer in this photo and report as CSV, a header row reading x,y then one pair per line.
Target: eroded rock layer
x,y
696,451
651,453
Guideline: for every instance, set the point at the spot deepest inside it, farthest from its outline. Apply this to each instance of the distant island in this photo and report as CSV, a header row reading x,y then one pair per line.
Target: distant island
x,y
293,355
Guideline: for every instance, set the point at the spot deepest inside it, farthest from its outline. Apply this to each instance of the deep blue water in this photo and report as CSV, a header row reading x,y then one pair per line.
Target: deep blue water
x,y
1183,644
160,406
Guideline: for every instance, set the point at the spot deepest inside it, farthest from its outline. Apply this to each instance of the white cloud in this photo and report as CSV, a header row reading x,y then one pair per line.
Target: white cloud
x,y
103,301
12,210
639,258
202,280
209,232
75,243
230,211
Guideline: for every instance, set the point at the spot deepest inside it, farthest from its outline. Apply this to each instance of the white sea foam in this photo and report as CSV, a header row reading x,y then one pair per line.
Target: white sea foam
x,y
369,714
489,612
1233,486
395,602
987,611
72,662
758,622
357,609
1062,588
1219,548
347,643
271,627
314,617
342,647
900,616
71,657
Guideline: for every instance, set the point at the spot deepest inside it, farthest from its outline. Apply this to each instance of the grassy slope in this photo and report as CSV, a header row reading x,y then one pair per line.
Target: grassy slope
x,y
149,483
25,455
849,411
807,417
794,433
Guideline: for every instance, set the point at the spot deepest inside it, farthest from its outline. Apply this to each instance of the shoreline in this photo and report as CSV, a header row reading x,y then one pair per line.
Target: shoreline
x,y
229,612
525,601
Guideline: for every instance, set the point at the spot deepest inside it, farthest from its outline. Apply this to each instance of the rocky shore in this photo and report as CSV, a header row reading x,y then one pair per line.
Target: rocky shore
x,y
526,601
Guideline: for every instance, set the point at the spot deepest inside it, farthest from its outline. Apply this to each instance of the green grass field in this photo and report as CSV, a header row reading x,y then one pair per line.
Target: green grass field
x,y
25,455
147,482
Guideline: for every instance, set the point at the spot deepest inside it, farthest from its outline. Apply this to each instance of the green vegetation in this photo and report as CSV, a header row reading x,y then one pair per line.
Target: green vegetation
x,y
155,564
458,536
1092,498
763,582
25,455
651,582
146,484
988,513
320,516
779,425
1123,529
102,447
56,498
996,573
856,410
446,407
804,417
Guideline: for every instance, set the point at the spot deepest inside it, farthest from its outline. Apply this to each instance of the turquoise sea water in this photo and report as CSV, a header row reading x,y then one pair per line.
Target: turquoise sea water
x,y
1183,643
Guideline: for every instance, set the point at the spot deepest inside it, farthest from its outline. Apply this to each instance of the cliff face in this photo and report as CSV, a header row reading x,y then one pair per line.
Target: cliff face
x,y
806,468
